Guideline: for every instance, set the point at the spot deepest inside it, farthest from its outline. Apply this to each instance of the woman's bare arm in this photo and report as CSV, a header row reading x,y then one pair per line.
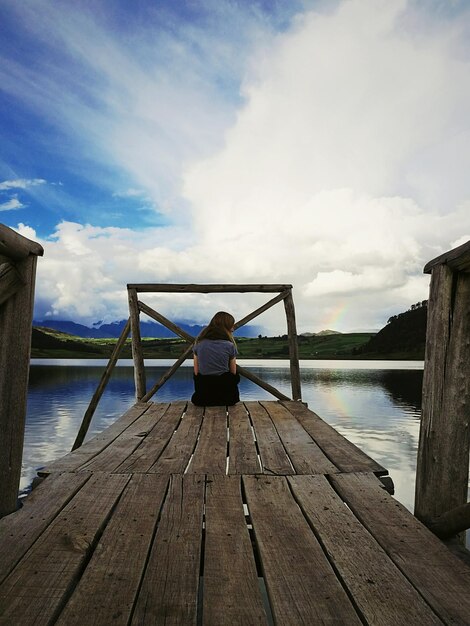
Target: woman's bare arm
x,y
233,365
196,365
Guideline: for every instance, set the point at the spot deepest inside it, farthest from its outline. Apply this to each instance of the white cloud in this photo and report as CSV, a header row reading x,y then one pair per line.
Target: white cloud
x,y
11,204
343,170
21,183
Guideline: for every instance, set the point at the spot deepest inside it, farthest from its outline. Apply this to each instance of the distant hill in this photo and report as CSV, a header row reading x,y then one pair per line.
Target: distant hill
x,y
114,329
322,333
404,336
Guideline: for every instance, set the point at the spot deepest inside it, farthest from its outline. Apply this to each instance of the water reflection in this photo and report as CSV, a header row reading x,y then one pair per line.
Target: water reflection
x,y
376,408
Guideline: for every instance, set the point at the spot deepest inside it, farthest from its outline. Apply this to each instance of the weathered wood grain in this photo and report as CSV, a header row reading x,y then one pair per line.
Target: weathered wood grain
x,y
442,468
16,317
39,584
21,529
231,591
97,444
210,455
109,585
302,586
169,590
11,281
293,347
243,457
458,259
175,457
137,351
274,459
343,453
15,246
304,454
378,589
123,446
441,578
193,288
154,443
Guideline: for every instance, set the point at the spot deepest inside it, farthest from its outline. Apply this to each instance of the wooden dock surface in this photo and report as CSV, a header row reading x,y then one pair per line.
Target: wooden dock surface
x,y
263,514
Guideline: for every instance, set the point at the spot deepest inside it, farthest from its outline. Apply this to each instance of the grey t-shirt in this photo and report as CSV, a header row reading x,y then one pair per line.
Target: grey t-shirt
x,y
213,355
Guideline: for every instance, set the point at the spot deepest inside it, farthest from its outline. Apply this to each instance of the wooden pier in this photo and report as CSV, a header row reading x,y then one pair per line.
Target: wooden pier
x,y
258,514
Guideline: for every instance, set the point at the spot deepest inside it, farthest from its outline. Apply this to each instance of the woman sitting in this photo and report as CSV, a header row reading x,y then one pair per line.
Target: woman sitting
x,y
215,366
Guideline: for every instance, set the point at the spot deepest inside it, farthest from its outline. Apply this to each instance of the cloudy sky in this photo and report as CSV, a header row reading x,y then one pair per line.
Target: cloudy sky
x,y
323,144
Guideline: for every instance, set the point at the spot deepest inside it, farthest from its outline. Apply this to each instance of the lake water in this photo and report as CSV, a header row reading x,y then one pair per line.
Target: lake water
x,y
375,404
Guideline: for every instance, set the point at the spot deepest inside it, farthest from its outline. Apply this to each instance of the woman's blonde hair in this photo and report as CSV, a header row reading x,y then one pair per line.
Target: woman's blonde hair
x,y
220,327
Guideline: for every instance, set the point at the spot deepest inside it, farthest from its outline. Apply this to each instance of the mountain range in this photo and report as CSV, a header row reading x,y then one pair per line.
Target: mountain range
x,y
114,329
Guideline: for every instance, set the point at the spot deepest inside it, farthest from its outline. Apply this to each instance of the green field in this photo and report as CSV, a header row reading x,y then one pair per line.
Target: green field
x,y
54,344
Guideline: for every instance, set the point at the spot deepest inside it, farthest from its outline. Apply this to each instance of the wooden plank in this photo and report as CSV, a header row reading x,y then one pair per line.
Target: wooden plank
x,y
16,316
210,455
137,351
304,453
123,446
343,453
293,347
302,586
175,457
154,443
15,246
231,590
101,386
458,259
38,586
169,590
20,530
274,459
108,588
158,317
243,457
193,288
442,469
97,444
441,578
11,281
379,590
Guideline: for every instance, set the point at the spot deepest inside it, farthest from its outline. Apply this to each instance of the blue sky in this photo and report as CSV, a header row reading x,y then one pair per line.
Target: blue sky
x,y
323,144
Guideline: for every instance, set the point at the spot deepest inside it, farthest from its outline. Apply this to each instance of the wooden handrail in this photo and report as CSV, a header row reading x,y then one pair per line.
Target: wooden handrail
x,y
458,259
136,306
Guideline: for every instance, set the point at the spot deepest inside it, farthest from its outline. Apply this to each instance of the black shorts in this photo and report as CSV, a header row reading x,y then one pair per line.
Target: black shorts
x,y
221,390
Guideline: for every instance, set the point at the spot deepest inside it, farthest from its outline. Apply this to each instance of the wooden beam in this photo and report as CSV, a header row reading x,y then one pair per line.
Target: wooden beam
x,y
191,288
266,386
442,468
293,347
15,246
168,374
158,317
458,259
16,316
11,281
261,309
452,522
101,386
137,352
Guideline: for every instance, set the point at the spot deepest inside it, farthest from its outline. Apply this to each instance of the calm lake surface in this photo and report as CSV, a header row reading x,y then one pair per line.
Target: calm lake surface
x,y
375,404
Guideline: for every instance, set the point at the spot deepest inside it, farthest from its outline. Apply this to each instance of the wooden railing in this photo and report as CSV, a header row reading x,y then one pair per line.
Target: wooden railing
x,y
136,307
443,455
18,257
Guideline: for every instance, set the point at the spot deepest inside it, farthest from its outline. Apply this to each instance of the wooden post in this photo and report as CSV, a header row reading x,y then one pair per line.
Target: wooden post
x,y
293,347
101,386
442,468
16,316
137,352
